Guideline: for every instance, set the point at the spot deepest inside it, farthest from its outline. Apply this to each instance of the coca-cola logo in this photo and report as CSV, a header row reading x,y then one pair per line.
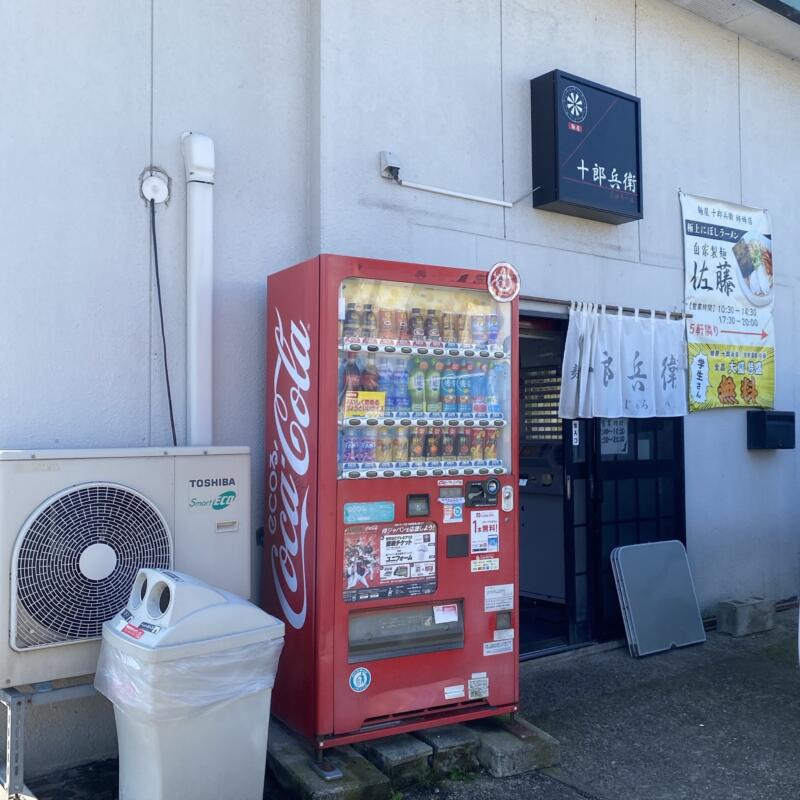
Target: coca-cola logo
x,y
287,504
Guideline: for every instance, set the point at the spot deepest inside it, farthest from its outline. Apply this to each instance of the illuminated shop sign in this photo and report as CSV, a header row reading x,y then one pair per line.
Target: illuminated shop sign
x,y
587,149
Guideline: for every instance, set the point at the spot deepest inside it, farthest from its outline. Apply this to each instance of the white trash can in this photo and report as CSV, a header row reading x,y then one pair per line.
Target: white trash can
x,y
189,669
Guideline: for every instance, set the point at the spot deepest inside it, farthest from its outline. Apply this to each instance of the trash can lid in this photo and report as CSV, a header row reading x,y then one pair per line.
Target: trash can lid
x,y
171,615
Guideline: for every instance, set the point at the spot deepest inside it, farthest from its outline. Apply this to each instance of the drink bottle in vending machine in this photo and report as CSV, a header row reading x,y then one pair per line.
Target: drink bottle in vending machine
x,y
390,544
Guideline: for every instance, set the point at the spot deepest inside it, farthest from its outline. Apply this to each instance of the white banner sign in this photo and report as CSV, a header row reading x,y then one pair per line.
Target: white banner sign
x,y
730,297
623,366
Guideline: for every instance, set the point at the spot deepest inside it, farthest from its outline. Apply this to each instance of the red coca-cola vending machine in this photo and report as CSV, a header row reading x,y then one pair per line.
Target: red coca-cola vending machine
x,y
390,545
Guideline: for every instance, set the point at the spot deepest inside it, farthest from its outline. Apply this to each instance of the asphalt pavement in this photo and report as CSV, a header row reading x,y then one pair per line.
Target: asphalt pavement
x,y
717,721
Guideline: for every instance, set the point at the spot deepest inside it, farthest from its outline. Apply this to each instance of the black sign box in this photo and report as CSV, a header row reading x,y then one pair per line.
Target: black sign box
x,y
587,149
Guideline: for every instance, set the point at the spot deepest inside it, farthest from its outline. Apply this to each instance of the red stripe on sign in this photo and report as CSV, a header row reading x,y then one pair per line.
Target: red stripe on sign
x,y
133,631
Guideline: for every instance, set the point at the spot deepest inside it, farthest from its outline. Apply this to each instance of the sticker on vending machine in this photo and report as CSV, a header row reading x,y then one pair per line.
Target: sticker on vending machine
x,y
452,509
378,511
389,560
499,597
498,648
484,564
478,686
454,692
485,531
445,613
360,679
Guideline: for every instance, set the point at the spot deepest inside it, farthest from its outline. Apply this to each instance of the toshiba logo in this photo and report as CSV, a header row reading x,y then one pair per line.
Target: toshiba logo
x,y
212,482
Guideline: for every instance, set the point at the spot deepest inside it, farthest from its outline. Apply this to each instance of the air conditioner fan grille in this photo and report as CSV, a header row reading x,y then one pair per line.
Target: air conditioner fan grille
x,y
61,599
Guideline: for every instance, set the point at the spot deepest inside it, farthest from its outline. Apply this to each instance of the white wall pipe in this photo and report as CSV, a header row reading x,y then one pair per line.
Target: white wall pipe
x,y
198,158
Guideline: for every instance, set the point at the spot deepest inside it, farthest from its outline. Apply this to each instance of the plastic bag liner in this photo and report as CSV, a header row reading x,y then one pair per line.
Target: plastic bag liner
x,y
185,687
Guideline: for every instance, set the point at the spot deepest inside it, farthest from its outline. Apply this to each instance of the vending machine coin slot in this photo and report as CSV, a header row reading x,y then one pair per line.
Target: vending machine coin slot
x,y
482,493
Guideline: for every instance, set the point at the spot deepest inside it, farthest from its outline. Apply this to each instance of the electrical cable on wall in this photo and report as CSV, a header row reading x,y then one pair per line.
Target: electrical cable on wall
x,y
161,315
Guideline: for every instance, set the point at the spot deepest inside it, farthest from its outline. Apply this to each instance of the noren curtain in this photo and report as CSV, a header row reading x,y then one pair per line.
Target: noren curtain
x,y
623,366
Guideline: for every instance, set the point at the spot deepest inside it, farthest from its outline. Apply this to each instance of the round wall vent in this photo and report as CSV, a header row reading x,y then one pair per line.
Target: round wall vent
x,y
75,561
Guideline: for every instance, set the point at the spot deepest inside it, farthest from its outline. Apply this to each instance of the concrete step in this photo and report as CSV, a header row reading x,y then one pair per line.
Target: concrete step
x,y
290,761
404,759
503,753
455,748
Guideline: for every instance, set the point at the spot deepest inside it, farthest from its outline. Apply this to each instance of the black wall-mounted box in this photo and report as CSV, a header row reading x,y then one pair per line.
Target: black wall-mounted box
x,y
770,430
587,149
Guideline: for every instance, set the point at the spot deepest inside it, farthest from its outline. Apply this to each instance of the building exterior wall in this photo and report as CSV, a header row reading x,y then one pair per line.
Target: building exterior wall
x,y
300,97
466,126
92,92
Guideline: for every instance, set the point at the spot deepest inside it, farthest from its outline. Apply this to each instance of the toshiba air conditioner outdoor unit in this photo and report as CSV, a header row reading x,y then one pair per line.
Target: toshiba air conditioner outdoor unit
x,y
77,525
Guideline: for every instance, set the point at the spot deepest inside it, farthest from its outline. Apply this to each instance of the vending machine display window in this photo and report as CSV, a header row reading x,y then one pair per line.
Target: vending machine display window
x,y
424,380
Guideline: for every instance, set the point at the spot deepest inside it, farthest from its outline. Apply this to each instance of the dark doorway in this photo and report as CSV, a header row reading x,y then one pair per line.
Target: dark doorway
x,y
544,618
639,488
586,486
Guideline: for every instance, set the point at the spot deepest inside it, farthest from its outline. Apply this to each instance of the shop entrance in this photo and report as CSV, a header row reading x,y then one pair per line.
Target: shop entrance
x,y
586,486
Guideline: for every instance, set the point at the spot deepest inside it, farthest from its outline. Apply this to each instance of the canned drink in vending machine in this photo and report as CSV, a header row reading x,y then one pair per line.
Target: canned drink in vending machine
x,y
477,329
492,328
386,324
462,447
400,447
491,436
402,326
416,325
449,336
461,328
417,448
352,321
448,449
369,322
367,443
384,449
433,447
432,326
476,445
350,448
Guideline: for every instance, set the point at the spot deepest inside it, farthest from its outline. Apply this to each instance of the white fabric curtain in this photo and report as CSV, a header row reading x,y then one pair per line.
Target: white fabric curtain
x,y
622,366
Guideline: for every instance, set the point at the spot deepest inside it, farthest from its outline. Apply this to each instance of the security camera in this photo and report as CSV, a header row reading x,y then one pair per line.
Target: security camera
x,y
390,165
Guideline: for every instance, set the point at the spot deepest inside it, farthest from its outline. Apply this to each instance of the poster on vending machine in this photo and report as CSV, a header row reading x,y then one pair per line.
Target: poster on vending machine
x,y
397,560
730,298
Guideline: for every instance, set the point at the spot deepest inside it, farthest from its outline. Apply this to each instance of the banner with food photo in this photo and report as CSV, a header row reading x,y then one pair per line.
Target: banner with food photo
x,y
730,297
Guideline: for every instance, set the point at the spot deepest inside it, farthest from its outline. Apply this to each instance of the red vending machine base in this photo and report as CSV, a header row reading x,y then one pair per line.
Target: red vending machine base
x,y
390,544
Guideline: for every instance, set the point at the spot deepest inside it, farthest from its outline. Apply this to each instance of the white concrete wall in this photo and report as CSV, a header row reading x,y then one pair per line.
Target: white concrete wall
x,y
446,86
300,97
90,94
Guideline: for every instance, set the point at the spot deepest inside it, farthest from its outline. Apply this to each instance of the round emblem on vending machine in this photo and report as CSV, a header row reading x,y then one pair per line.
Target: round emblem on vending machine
x,y
503,282
360,679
